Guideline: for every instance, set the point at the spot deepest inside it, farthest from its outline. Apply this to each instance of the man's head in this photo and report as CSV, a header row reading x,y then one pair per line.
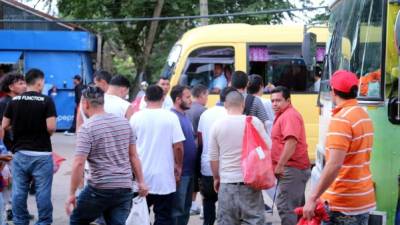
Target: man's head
x,y
92,100
239,80
234,103
164,84
154,93
102,79
280,98
35,79
77,80
13,84
200,94
255,84
120,85
344,85
181,97
218,69
224,93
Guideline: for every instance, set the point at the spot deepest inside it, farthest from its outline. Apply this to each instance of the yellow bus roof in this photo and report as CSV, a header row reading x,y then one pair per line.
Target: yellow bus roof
x,y
250,33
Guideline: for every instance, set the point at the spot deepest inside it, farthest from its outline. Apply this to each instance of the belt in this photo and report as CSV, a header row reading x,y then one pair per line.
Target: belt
x,y
237,183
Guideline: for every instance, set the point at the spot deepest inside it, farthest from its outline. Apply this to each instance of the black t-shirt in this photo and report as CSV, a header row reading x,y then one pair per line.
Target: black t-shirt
x,y
8,135
28,113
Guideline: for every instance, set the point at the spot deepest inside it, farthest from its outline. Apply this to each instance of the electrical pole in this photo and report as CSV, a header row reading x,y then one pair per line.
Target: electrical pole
x,y
204,12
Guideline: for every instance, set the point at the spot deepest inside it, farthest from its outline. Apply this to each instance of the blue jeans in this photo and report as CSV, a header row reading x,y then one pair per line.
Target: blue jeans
x,y
113,204
26,168
182,201
338,218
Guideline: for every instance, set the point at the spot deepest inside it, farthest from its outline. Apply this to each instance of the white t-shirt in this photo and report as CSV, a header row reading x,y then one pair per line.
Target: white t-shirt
x,y
156,130
206,121
270,113
167,104
115,105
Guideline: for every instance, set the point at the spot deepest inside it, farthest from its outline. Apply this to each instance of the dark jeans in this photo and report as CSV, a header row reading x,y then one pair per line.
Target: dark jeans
x,y
26,168
337,218
73,125
210,197
113,204
162,208
182,201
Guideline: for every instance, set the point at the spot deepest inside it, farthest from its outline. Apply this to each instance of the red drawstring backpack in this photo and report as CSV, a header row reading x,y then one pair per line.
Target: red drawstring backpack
x,y
256,159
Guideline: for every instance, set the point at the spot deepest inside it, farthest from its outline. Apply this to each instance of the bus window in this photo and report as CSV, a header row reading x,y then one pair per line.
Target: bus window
x,y
281,65
210,66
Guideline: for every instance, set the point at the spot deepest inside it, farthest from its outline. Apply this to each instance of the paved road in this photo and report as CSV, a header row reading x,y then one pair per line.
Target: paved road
x,y
64,145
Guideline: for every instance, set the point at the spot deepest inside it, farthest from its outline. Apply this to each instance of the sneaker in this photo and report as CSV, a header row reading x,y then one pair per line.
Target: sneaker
x,y
67,133
194,209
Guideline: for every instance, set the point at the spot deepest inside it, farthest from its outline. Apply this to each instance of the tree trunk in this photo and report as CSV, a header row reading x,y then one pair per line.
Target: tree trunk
x,y
150,39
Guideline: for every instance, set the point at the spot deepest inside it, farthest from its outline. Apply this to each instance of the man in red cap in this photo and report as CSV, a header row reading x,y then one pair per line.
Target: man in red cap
x,y
346,182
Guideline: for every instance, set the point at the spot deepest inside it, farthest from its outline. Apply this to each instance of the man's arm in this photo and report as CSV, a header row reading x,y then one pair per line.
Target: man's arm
x,y
137,170
288,150
79,119
51,125
129,112
76,180
178,156
329,174
215,172
6,123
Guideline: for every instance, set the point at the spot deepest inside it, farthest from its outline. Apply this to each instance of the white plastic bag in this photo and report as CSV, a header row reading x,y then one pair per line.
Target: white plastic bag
x,y
139,214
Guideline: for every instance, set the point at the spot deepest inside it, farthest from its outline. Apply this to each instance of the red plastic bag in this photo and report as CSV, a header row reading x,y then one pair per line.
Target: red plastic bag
x,y
256,159
320,215
57,160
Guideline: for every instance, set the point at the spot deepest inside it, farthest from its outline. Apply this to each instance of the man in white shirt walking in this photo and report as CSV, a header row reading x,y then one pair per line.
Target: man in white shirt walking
x,y
159,140
114,98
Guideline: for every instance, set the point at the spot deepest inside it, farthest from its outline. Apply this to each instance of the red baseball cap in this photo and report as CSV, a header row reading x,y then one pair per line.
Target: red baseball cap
x,y
343,80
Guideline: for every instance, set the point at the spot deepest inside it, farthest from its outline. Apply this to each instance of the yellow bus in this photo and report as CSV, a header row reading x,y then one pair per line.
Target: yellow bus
x,y
272,51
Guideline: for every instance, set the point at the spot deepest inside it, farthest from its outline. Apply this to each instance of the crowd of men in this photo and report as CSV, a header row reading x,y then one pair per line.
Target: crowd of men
x,y
174,147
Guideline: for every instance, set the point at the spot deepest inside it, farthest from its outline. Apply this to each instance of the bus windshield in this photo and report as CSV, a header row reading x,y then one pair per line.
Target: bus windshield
x,y
355,44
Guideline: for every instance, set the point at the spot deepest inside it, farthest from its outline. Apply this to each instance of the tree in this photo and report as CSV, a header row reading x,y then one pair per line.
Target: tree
x,y
148,42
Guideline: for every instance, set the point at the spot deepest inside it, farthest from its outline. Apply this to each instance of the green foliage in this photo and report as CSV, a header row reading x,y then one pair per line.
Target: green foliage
x,y
132,36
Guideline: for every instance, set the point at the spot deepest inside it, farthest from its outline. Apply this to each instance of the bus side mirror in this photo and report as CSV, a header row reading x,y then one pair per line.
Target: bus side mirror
x,y
394,101
397,33
309,50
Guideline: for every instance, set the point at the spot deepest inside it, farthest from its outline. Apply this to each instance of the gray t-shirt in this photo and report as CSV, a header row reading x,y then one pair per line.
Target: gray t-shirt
x,y
225,145
105,140
194,114
257,109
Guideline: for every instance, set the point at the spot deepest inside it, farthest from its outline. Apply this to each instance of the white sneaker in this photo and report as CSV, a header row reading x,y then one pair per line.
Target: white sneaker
x,y
66,133
194,209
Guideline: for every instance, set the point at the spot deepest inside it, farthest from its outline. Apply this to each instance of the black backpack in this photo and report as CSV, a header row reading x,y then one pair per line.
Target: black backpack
x,y
248,103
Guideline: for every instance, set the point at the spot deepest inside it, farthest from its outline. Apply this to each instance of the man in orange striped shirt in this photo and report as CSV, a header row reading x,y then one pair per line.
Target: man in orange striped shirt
x,y
346,183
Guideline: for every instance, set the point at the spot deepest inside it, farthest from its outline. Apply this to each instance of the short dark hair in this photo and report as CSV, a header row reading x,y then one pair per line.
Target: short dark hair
x,y
120,81
33,75
282,89
199,90
351,95
102,75
94,95
9,79
177,91
239,79
224,93
154,93
255,84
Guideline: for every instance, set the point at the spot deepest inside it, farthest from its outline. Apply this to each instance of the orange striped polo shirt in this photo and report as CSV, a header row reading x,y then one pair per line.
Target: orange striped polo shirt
x,y
351,130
